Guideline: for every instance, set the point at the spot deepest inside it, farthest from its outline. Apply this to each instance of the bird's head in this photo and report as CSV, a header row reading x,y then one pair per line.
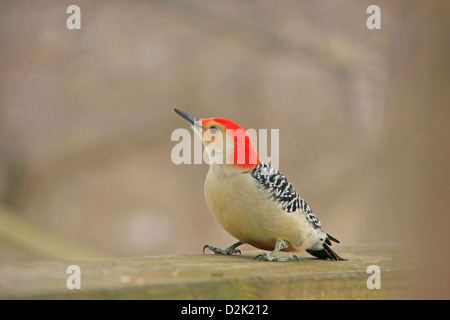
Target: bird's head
x,y
225,141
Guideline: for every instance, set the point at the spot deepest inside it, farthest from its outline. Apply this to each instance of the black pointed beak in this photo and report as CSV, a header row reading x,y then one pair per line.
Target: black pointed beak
x,y
193,120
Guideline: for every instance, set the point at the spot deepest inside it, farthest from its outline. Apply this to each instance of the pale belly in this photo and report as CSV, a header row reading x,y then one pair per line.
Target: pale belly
x,y
248,214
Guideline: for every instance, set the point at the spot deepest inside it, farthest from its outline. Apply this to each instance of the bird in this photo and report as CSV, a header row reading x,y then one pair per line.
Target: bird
x,y
253,201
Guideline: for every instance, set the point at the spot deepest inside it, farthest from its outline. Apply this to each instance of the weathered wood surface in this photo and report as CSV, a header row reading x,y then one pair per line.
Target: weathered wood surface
x,y
208,276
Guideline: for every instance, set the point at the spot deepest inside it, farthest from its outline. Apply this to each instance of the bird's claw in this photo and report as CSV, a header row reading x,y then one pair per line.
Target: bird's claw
x,y
226,251
206,246
260,256
269,257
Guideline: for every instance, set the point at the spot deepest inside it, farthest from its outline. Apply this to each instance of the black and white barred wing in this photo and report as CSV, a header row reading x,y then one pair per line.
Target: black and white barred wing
x,y
282,191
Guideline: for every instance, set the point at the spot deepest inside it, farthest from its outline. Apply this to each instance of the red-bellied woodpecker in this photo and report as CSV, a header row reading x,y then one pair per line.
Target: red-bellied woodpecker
x,y
251,200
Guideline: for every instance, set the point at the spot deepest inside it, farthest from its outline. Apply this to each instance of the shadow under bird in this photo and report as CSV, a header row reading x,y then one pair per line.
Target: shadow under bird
x,y
253,201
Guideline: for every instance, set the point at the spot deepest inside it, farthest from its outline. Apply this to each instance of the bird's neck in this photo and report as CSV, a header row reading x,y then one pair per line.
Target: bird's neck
x,y
227,170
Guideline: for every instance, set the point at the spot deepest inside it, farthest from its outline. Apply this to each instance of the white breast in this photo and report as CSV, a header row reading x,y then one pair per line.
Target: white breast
x,y
248,213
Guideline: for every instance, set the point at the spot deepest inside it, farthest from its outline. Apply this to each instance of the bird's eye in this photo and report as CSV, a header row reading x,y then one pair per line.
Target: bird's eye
x,y
213,130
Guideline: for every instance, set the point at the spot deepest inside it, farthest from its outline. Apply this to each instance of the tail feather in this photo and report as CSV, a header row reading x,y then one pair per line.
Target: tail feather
x,y
325,253
332,239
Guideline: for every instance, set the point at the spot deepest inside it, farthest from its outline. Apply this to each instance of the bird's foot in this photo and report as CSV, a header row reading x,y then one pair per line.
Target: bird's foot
x,y
273,257
227,251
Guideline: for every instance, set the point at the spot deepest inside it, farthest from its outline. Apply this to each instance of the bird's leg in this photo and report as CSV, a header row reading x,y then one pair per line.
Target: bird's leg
x,y
227,251
280,245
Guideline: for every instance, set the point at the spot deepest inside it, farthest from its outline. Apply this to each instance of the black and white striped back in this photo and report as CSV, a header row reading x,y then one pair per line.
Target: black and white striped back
x,y
282,191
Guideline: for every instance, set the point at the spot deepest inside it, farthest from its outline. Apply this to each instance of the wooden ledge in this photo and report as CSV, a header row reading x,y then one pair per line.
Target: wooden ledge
x,y
209,276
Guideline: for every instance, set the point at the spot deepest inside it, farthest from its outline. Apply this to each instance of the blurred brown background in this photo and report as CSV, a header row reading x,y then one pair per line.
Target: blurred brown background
x,y
86,118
